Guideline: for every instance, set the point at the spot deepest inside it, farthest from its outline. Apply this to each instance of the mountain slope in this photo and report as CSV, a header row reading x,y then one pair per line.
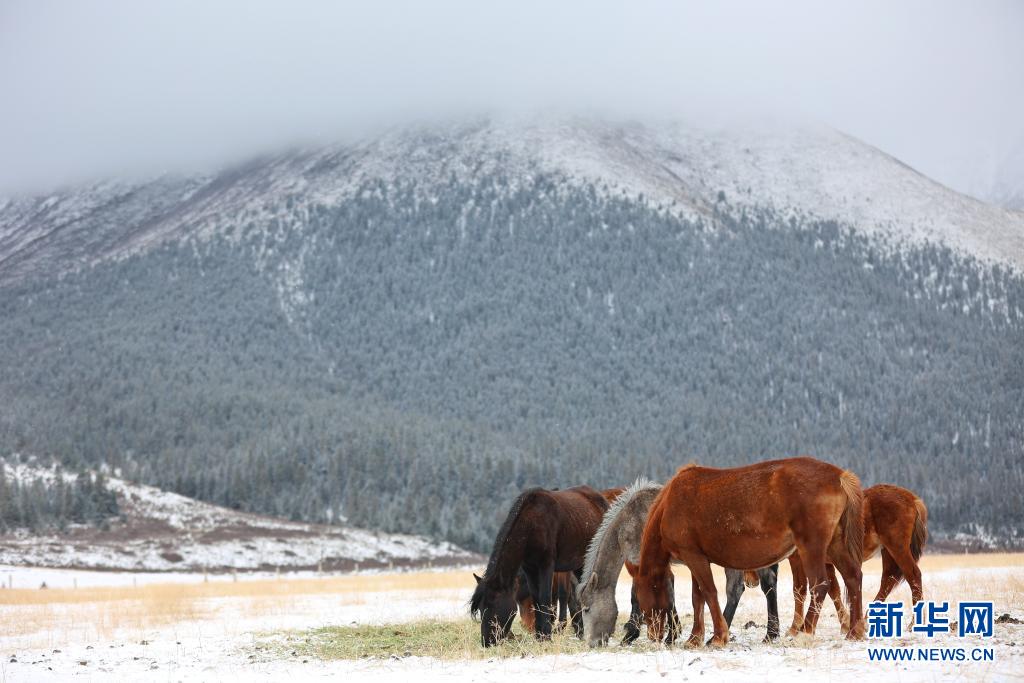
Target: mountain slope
x,y
408,332
161,531
810,171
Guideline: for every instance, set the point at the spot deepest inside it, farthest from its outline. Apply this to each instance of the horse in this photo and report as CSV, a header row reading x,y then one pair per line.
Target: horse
x,y
617,541
562,592
750,518
562,589
544,532
896,521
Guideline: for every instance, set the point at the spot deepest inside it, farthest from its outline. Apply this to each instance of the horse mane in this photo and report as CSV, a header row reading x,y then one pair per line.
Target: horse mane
x,y
499,544
610,516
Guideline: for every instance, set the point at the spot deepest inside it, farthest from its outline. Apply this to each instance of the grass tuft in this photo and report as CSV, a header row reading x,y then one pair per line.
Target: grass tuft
x,y
447,640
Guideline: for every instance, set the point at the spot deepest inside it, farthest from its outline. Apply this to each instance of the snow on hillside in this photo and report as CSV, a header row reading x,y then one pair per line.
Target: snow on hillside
x,y
162,531
795,169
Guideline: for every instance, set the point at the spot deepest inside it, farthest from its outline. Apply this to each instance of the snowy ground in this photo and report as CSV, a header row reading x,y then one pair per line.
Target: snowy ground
x,y
190,630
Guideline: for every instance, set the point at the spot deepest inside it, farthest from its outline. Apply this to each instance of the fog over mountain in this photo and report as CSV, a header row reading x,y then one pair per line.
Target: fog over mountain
x,y
127,89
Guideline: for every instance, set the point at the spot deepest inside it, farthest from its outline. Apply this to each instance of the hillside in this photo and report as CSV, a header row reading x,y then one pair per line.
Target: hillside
x,y
408,331
156,530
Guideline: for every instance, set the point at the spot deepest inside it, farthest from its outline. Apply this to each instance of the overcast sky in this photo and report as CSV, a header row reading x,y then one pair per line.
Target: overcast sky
x,y
90,89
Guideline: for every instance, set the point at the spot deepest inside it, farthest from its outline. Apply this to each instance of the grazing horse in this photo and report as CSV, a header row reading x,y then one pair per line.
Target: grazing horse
x,y
563,592
544,532
617,541
896,521
750,518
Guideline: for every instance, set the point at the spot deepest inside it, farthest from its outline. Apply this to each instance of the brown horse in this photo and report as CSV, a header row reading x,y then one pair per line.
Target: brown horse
x,y
896,521
562,593
749,518
544,532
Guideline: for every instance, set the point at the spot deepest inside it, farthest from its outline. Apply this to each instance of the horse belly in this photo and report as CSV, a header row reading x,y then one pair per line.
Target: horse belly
x,y
749,553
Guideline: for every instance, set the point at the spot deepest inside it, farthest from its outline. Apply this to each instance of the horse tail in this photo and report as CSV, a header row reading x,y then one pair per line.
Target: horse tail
x,y
851,523
920,534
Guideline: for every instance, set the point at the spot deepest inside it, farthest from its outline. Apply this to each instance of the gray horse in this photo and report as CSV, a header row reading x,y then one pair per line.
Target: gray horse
x,y
616,542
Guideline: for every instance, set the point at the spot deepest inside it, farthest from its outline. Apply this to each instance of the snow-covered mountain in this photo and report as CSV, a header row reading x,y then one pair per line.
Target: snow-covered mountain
x,y
407,331
802,170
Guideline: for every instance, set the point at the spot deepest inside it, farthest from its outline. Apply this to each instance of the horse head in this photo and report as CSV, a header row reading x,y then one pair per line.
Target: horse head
x,y
599,609
654,593
496,608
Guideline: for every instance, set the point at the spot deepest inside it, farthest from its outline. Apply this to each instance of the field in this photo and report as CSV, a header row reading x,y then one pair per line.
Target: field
x,y
99,626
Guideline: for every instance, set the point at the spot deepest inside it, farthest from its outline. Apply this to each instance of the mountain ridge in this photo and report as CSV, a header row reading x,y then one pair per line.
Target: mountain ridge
x,y
811,171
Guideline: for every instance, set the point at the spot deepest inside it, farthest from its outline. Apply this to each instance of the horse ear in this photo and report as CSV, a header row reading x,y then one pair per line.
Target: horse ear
x,y
478,579
591,582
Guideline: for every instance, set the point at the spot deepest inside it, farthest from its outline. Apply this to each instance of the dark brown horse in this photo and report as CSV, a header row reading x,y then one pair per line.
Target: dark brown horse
x,y
896,521
562,589
544,532
750,518
562,593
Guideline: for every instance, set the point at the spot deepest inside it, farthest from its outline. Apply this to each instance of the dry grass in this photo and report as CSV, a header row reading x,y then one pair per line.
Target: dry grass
x,y
55,615
425,638
52,616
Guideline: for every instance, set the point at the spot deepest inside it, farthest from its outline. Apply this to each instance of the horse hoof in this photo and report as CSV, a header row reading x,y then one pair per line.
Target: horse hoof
x,y
717,643
857,634
803,639
692,643
770,638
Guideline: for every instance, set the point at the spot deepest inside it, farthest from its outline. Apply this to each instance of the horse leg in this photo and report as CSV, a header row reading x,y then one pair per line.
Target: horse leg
x,y
700,567
837,599
674,625
813,559
905,561
527,614
563,600
632,627
697,600
796,567
542,602
575,612
891,576
770,587
850,569
734,586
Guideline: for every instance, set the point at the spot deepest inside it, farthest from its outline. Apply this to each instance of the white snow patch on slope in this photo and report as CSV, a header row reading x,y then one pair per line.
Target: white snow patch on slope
x,y
164,531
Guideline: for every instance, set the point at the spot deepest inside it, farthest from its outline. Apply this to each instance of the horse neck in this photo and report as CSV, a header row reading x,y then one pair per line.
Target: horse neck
x,y
609,554
631,535
654,558
505,565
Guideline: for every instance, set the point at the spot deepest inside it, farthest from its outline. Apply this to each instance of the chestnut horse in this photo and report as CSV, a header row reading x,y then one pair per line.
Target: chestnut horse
x,y
616,542
544,532
562,593
750,518
896,521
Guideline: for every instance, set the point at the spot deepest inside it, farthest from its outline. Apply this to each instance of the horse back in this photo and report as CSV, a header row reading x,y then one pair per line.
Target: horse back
x,y
746,517
892,517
